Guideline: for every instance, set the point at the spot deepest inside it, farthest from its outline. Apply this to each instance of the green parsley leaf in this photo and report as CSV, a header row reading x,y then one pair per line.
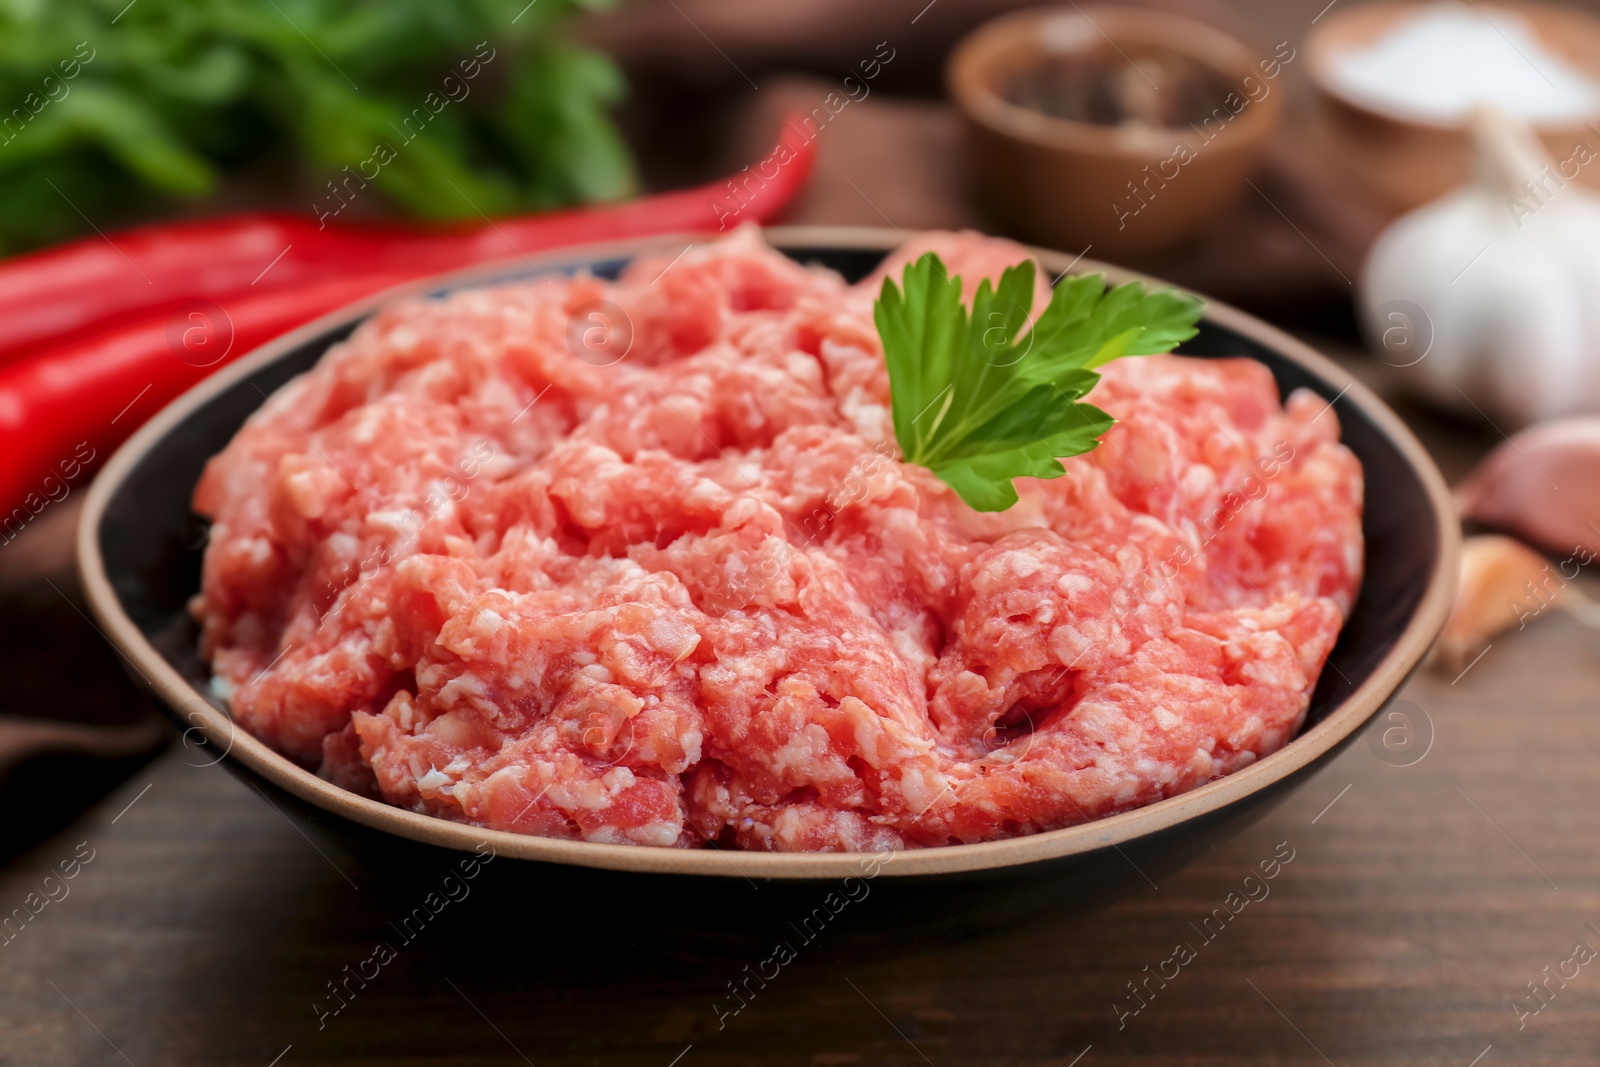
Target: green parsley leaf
x,y
978,404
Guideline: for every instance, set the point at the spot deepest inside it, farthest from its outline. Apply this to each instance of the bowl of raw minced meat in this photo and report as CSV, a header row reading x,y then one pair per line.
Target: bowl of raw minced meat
x,y
777,555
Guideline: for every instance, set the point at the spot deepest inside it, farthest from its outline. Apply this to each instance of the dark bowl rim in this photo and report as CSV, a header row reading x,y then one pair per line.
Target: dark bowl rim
x,y
187,705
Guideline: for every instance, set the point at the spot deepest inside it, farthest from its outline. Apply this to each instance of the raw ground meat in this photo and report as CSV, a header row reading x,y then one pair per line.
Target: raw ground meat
x,y
691,595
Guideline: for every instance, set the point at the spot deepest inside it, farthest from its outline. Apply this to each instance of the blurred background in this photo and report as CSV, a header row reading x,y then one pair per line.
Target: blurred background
x,y
1405,185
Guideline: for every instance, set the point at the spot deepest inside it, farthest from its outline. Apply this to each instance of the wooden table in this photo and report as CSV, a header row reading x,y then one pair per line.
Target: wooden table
x,y
1419,903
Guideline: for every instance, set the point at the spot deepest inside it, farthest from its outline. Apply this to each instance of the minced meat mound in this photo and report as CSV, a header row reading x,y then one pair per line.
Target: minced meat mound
x,y
637,562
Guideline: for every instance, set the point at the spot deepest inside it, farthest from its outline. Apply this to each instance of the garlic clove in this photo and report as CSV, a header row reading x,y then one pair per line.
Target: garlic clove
x,y
1504,584
1542,484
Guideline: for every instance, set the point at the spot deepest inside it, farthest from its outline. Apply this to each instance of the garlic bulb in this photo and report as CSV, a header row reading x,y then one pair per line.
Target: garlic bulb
x,y
1486,297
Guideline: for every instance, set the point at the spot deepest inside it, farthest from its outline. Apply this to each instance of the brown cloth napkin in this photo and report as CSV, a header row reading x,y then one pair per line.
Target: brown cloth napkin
x,y
72,723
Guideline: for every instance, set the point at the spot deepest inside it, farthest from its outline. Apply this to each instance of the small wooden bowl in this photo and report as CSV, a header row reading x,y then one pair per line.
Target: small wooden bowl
x,y
1071,184
1404,162
139,550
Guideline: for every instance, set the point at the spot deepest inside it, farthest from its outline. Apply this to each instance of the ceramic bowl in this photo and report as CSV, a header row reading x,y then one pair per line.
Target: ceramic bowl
x,y
1404,162
139,555
1072,184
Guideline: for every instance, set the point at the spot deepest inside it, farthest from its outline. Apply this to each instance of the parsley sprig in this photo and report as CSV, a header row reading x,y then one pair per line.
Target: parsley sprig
x,y
977,404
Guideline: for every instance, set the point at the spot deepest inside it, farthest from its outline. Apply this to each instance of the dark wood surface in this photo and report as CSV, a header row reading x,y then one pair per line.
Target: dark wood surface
x,y
1420,901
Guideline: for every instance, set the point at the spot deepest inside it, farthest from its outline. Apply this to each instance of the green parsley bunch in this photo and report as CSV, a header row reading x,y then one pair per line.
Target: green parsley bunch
x,y
110,109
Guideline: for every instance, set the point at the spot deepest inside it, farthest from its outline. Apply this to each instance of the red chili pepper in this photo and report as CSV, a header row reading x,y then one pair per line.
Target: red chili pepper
x,y
61,413
51,293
